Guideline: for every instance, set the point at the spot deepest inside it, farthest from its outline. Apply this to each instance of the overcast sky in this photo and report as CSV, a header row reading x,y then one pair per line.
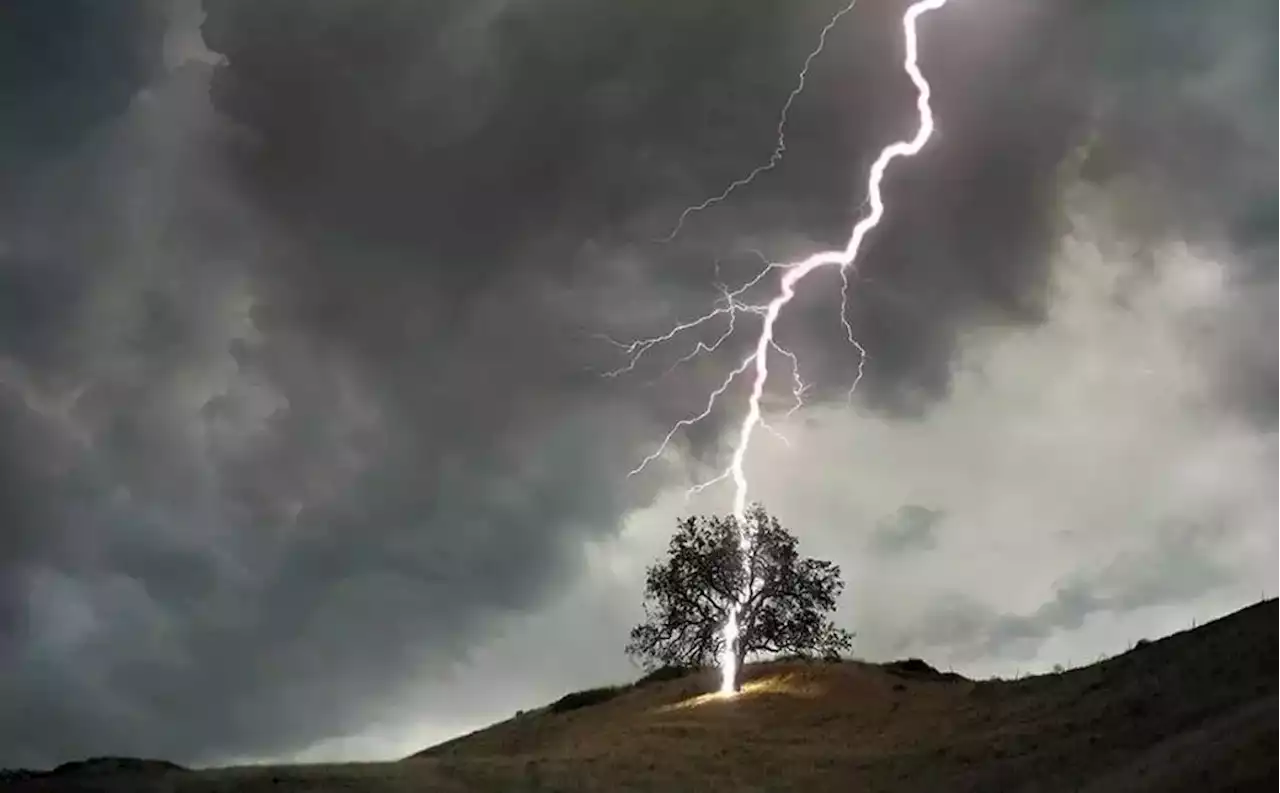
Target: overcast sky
x,y
304,447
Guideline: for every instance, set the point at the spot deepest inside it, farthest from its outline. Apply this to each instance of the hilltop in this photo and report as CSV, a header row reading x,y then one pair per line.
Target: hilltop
x,y
1196,711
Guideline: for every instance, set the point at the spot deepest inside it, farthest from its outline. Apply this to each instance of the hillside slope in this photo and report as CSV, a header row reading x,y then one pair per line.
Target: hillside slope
x,y
1196,711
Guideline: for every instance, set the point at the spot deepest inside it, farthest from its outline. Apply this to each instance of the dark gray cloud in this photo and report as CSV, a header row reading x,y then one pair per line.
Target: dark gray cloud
x,y
67,66
298,380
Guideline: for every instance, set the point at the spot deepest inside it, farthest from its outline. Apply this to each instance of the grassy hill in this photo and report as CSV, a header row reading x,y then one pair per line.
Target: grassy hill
x,y
1196,711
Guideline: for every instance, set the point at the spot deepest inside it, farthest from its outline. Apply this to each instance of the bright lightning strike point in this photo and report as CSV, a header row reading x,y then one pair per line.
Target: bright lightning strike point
x,y
792,274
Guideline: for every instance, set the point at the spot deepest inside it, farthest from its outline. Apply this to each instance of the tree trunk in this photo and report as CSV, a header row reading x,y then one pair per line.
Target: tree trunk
x,y
741,660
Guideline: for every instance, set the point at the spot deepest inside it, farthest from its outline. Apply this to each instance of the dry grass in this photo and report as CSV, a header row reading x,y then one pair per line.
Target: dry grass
x,y
1193,712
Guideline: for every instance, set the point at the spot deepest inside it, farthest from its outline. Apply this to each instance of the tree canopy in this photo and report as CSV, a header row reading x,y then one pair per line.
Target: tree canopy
x,y
784,600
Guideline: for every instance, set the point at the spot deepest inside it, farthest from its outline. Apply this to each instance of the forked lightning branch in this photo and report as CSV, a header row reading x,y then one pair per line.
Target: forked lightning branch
x,y
756,364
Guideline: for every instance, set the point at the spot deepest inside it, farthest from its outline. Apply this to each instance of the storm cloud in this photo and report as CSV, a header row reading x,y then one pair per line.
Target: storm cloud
x,y
301,307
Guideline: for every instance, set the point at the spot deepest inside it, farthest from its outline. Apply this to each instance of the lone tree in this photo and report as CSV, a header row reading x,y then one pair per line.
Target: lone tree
x,y
784,600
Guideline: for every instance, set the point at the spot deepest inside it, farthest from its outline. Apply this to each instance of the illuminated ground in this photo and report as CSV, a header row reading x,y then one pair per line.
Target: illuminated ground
x,y
1194,712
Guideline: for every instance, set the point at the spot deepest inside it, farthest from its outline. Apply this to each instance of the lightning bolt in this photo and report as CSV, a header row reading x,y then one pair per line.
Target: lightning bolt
x,y
780,147
732,304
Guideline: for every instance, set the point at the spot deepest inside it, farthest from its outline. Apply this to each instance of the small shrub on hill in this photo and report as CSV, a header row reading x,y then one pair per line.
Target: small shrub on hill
x,y
812,658
916,669
664,673
792,658
582,699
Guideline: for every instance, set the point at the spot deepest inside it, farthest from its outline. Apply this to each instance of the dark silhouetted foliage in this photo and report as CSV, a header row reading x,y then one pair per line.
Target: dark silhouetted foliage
x,y
917,669
784,600
812,658
582,699
664,673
